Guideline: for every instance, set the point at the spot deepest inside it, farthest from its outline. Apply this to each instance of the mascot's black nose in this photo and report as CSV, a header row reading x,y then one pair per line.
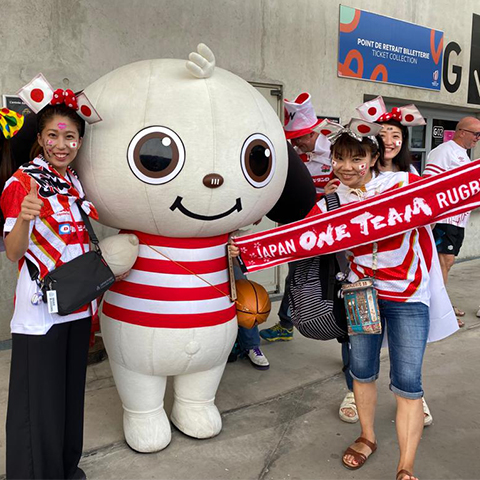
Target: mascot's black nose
x,y
212,180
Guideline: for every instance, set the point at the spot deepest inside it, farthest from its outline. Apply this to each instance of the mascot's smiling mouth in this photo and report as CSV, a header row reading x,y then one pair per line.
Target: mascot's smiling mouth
x,y
178,204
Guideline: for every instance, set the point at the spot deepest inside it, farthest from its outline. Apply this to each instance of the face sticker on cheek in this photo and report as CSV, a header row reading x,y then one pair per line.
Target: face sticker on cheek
x,y
50,142
362,169
61,126
334,163
73,144
398,143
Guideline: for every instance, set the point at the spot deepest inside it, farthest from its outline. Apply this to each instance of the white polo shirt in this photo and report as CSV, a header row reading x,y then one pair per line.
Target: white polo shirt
x,y
441,159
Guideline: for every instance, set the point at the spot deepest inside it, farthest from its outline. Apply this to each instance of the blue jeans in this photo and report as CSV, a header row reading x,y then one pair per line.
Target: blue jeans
x,y
284,310
407,330
247,338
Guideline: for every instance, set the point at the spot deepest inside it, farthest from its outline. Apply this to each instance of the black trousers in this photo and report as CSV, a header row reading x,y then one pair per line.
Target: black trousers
x,y
46,402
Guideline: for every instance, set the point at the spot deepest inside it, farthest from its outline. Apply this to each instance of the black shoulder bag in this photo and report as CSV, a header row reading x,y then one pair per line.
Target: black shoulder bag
x,y
77,282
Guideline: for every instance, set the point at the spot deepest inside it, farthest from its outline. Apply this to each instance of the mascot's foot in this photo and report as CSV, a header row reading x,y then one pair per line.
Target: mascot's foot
x,y
196,420
147,432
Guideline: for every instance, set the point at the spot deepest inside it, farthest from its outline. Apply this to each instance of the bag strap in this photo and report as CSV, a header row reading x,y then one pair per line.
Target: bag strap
x,y
32,269
332,201
88,225
374,258
331,277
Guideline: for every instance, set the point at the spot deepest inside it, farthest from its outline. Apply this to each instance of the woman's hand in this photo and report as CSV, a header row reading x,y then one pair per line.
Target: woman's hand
x,y
123,276
332,185
31,204
233,250
16,242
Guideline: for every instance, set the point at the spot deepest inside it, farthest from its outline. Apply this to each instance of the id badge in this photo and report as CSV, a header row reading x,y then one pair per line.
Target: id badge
x,y
52,301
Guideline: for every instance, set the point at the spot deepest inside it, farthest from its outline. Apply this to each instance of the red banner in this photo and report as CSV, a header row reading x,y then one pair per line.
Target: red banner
x,y
386,215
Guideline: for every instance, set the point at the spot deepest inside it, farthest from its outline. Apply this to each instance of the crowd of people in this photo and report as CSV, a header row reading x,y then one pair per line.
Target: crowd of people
x,y
48,370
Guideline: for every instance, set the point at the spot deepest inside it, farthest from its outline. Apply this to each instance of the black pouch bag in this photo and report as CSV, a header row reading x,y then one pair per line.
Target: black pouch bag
x,y
79,281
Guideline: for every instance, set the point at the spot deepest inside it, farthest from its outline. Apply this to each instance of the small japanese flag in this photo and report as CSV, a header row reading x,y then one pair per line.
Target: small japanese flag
x,y
372,110
86,110
327,127
411,116
364,128
37,93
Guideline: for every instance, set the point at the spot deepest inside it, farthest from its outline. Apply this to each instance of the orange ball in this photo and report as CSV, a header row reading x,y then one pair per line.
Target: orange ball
x,y
253,303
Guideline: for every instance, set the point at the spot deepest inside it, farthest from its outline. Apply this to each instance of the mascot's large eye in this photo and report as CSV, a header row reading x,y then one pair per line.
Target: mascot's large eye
x,y
156,155
258,160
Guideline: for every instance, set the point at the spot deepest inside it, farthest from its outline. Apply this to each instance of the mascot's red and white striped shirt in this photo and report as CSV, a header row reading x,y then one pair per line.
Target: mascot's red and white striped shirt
x,y
403,261
159,293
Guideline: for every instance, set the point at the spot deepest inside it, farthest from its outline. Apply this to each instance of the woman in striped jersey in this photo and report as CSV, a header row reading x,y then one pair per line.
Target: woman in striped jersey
x,y
49,352
401,281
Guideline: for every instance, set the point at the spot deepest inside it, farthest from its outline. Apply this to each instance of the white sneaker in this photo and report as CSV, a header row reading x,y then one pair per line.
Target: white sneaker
x,y
258,359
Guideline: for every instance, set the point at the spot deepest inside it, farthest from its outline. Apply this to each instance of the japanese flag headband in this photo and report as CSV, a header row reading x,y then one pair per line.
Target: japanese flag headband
x,y
38,93
375,111
356,128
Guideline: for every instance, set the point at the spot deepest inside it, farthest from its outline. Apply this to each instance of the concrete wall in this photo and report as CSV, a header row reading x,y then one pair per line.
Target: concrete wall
x,y
74,42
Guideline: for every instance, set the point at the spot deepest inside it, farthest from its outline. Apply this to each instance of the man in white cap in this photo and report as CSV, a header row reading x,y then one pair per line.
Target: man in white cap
x,y
300,128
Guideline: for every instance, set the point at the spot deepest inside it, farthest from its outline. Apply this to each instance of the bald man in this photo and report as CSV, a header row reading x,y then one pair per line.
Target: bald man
x,y
449,233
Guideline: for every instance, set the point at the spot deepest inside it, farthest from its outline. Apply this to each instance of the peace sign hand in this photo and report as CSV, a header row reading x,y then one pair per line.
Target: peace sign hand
x,y
31,204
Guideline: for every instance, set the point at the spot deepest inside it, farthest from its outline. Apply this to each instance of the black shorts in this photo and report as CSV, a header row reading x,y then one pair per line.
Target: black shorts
x,y
448,238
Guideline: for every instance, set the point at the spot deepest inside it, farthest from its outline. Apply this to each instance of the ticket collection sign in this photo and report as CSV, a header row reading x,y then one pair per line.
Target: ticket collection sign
x,y
382,49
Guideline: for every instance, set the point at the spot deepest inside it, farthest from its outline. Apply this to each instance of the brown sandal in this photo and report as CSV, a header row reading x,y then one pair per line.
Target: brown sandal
x,y
359,457
403,472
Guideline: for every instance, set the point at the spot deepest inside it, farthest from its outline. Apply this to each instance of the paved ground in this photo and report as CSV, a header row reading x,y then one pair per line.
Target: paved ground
x,y
283,423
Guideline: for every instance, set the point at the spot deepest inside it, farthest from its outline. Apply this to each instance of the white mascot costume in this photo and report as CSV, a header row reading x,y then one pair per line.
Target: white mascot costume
x,y
185,155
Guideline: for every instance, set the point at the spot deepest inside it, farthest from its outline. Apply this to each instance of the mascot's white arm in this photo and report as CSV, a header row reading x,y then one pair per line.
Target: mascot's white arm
x,y
120,252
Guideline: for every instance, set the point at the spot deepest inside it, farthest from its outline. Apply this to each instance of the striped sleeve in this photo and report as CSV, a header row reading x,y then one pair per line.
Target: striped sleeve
x,y
437,162
11,202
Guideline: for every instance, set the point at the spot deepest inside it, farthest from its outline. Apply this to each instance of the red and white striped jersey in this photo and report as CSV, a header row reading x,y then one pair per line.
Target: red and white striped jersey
x,y
443,158
159,293
53,242
403,261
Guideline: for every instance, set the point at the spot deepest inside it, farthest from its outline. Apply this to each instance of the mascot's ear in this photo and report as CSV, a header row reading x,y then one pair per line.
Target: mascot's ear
x,y
299,194
201,64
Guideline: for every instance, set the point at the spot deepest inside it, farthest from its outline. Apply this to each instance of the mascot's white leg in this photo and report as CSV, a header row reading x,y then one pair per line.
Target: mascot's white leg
x,y
142,358
145,423
194,411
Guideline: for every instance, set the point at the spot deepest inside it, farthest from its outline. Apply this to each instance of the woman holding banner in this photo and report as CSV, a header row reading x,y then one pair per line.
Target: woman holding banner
x,y
397,156
400,271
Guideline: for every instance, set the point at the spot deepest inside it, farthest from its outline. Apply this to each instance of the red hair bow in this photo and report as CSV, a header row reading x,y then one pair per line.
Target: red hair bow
x,y
64,96
396,114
